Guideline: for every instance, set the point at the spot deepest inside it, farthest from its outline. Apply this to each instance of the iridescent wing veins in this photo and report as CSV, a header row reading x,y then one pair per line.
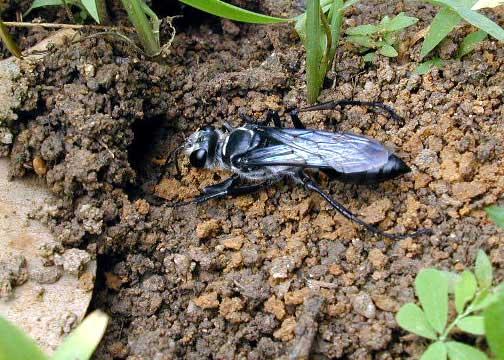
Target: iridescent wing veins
x,y
343,152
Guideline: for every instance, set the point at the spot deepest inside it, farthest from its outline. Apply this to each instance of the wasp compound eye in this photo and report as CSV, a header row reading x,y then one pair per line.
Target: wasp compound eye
x,y
198,158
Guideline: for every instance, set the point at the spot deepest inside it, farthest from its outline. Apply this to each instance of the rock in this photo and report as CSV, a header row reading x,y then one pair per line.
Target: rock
x,y
275,307
46,275
230,310
385,303
207,301
465,191
286,331
281,267
377,211
296,297
182,264
363,305
73,261
13,273
234,243
207,229
377,259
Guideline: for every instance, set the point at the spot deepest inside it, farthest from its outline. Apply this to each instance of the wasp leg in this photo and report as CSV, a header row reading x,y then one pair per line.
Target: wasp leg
x,y
294,114
271,115
333,104
312,185
228,187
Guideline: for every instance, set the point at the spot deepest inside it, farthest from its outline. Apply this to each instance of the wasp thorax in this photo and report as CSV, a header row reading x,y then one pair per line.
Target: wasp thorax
x,y
201,147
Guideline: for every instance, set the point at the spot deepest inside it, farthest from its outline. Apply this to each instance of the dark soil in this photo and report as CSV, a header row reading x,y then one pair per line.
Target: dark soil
x,y
278,273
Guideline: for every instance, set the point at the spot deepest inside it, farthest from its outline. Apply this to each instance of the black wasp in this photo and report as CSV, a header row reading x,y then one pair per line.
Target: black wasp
x,y
260,155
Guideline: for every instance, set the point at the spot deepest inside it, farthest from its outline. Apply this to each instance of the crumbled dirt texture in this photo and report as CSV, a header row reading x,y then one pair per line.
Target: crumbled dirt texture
x,y
237,278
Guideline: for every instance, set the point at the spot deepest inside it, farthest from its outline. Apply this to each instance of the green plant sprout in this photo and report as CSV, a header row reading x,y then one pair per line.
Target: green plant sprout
x,y
97,9
496,213
452,13
319,29
479,308
381,37
79,345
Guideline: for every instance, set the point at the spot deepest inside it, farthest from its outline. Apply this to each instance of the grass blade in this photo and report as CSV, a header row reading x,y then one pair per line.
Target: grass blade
x,y
481,4
137,16
228,11
313,49
470,41
43,3
428,65
82,342
9,42
474,18
442,24
92,8
14,344
336,19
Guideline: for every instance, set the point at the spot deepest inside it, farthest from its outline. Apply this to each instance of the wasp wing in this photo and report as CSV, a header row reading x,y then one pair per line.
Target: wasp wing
x,y
343,152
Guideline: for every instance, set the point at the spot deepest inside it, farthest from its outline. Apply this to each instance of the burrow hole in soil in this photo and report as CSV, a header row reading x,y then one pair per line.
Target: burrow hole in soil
x,y
151,141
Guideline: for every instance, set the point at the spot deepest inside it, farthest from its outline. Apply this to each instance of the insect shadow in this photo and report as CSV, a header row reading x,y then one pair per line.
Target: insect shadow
x,y
260,155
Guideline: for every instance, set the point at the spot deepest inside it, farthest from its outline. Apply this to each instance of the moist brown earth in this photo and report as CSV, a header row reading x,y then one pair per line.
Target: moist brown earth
x,y
278,273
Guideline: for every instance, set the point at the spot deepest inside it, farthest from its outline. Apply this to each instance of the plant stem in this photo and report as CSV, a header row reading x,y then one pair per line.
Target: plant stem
x,y
459,317
67,26
138,18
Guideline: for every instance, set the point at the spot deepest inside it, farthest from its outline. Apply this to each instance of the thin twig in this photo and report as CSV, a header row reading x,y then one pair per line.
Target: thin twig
x,y
68,26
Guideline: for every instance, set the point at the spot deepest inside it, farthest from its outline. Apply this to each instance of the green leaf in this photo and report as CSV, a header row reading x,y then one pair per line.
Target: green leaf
x,y
435,351
483,270
364,41
474,18
335,18
472,325
410,317
387,50
428,65
367,29
398,22
469,43
43,3
14,344
494,327
484,299
496,213
460,351
228,11
432,291
92,9
442,24
82,342
465,290
452,278
369,57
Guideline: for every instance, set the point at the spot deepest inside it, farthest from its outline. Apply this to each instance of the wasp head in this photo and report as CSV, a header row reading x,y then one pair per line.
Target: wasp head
x,y
201,147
